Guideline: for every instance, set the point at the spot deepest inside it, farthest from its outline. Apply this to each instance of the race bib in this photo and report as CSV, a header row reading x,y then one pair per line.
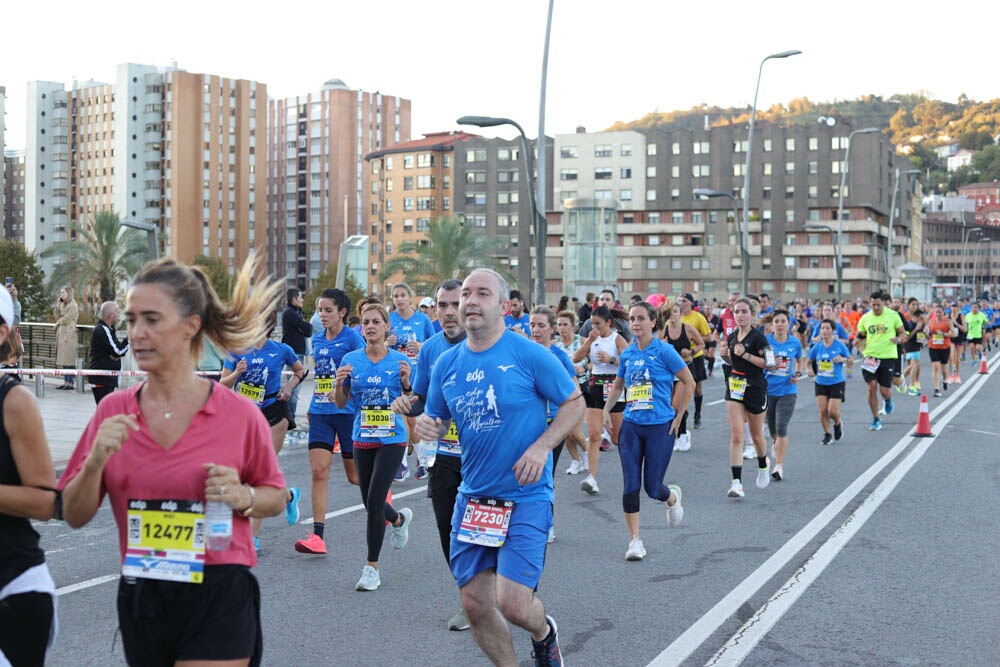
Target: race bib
x,y
737,386
449,443
607,385
870,364
166,540
254,392
377,421
937,338
782,366
324,385
640,396
825,368
921,337
486,521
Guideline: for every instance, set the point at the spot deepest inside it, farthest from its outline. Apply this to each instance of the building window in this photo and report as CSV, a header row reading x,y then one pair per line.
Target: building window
x,y
567,194
603,150
676,264
790,168
700,265
625,195
653,218
626,263
814,143
813,192
696,216
675,194
766,192
475,155
739,169
422,224
699,170
425,182
475,199
767,145
650,149
651,172
790,144
425,160
407,203
407,162
789,262
567,174
653,240
626,150
503,221
677,217
503,154
677,239
407,182
568,152
626,172
713,216
602,194
740,146
700,147
813,167
651,195
651,263
475,177
602,173
789,191
675,148
767,169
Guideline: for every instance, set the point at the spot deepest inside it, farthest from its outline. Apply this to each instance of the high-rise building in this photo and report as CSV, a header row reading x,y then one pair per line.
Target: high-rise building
x,y
318,184
13,187
159,146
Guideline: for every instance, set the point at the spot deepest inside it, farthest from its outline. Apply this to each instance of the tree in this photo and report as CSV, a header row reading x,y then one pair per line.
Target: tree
x,y
29,279
987,163
975,140
218,274
326,280
103,256
452,249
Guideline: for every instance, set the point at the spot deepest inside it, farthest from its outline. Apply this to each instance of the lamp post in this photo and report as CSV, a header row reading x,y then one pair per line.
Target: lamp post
x,y
744,249
975,261
151,230
902,279
746,171
965,244
892,213
837,264
840,202
539,221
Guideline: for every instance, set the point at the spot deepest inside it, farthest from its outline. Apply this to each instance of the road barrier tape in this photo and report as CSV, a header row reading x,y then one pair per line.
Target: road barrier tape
x,y
90,371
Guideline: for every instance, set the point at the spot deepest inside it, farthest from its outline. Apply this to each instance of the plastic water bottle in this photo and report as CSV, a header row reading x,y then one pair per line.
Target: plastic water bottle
x,y
218,525
431,452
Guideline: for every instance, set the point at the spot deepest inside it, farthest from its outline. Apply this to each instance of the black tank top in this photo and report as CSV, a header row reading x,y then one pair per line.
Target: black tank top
x,y
680,343
19,548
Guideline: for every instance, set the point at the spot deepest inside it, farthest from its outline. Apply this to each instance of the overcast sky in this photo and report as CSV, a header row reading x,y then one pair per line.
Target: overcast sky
x,y
608,61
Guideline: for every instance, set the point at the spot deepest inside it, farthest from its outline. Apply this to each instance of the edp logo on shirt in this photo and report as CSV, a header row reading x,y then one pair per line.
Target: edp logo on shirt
x,y
475,376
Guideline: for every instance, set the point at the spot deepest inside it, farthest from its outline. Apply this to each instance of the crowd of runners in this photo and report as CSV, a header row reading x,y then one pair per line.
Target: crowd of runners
x,y
481,391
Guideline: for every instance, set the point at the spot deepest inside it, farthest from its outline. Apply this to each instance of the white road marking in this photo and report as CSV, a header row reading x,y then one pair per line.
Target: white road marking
x,y
356,508
721,400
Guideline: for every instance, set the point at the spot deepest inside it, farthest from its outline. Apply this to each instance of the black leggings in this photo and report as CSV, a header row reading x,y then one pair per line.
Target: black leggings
x,y
376,469
25,621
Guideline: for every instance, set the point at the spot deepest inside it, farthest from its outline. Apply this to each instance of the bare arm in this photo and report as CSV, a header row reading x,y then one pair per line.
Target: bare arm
x,y
30,451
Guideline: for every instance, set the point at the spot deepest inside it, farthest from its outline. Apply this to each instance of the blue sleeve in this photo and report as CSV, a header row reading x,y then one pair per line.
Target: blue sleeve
x,y
812,354
436,407
545,369
422,373
799,352
675,363
230,363
290,356
567,364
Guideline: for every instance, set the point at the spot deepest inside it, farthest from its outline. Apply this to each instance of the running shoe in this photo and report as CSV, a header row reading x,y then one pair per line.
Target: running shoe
x,y
420,473
827,439
403,473
944,385
313,544
776,472
958,379
590,485
876,425
401,533
675,512
937,393
901,387
636,550
552,535
749,452
683,442
292,506
605,441
584,462
546,652
459,621
369,580
736,489
838,431
697,421
913,391
763,478
889,407
256,544
573,468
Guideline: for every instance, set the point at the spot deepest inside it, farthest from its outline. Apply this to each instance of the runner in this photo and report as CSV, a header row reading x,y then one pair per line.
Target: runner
x,y
446,473
976,322
496,386
827,313
160,450
646,376
940,329
696,320
916,338
713,320
256,374
686,341
569,342
957,344
603,346
377,376
746,394
27,478
880,330
329,424
827,358
782,386
409,330
517,319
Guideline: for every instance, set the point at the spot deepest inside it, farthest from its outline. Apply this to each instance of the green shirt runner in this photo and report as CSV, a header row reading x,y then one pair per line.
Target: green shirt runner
x,y
976,321
880,330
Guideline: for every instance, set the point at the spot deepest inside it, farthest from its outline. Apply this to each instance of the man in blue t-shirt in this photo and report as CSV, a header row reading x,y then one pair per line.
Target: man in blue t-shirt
x,y
517,319
496,387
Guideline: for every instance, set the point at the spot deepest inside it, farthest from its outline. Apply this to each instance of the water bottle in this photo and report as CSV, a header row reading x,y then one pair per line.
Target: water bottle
x,y
218,525
431,452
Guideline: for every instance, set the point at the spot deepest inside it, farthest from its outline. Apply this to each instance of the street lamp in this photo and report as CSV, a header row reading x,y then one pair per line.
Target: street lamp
x,y
892,213
837,251
151,230
746,171
975,261
965,244
840,196
539,220
744,249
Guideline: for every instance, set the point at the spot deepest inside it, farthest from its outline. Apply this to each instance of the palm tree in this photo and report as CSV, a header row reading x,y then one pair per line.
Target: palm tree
x,y
452,249
104,255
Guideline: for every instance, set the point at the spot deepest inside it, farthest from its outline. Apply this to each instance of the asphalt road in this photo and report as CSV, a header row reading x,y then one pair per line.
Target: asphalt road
x,y
878,550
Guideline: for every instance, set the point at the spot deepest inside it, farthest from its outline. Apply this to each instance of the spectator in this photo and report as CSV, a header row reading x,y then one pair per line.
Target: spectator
x,y
67,313
294,333
583,315
105,351
428,309
16,346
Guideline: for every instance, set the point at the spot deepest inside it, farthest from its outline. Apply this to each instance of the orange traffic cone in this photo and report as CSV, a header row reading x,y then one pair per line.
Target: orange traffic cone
x,y
924,420
983,370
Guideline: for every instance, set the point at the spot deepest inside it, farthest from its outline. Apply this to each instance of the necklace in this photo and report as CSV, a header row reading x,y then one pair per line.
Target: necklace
x,y
168,412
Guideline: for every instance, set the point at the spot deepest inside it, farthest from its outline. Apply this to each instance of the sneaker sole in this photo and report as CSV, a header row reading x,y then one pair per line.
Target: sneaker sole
x,y
677,505
636,556
735,494
303,549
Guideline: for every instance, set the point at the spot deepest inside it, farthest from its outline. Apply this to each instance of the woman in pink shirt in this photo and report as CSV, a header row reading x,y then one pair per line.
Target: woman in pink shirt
x,y
160,451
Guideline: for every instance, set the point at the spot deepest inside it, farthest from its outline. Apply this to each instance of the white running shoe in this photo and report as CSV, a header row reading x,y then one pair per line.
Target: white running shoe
x,y
683,443
636,550
573,468
763,476
590,485
749,452
675,512
584,463
369,580
736,489
400,534
552,535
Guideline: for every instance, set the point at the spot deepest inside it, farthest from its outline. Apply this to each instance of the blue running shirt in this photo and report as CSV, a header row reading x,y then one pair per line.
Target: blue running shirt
x,y
418,327
649,381
828,372
328,355
261,381
374,386
429,354
779,380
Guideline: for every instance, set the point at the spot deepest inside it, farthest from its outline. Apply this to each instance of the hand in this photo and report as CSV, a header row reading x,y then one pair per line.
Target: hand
x,y
604,357
111,435
531,465
223,484
592,336
606,420
675,425
284,394
241,366
344,372
739,350
686,354
402,405
391,340
413,346
427,428
404,372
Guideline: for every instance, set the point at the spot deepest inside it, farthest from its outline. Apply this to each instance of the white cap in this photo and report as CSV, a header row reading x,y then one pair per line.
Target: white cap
x,y
7,308
427,301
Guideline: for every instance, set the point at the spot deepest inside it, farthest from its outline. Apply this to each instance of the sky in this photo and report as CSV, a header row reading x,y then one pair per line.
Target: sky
x,y
608,61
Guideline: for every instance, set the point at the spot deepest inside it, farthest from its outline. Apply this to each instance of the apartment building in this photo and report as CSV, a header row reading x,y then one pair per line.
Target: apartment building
x,y
318,183
412,183
669,241
158,145
987,201
602,165
13,195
